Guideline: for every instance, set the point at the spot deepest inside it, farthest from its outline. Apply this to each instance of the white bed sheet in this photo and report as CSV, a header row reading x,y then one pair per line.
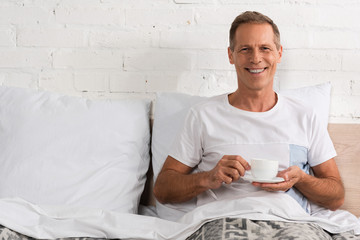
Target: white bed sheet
x,y
59,222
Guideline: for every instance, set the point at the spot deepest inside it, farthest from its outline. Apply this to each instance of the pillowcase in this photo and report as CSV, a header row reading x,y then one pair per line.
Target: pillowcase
x,y
171,110
169,115
62,150
317,96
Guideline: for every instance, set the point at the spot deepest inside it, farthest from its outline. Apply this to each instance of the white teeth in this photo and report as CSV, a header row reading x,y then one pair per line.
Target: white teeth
x,y
256,70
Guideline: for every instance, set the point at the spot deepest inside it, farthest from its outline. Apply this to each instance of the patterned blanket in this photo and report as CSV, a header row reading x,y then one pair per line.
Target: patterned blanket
x,y
241,228
235,229
7,234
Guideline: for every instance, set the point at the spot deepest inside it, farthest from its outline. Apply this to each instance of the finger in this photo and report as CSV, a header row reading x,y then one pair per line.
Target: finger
x,y
244,164
283,186
234,168
286,177
234,174
217,179
231,172
226,179
284,174
230,157
224,176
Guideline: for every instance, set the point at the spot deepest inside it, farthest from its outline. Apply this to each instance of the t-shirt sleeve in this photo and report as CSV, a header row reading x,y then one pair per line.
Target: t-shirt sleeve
x,y
321,146
186,147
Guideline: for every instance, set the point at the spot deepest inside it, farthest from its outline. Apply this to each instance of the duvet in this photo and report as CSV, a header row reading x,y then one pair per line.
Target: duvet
x,y
256,216
234,228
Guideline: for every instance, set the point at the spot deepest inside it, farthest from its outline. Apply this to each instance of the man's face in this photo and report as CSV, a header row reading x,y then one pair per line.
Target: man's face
x,y
255,56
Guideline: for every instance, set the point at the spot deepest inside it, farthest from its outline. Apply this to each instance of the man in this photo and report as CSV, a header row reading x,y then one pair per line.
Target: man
x,y
210,156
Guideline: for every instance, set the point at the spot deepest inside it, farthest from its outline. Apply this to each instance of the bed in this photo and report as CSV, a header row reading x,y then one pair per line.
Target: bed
x,y
64,202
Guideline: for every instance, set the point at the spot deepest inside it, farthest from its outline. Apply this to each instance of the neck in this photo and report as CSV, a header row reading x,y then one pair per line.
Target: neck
x,y
257,101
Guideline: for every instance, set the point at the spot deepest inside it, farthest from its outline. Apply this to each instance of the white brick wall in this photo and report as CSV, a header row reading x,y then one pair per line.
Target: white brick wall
x,y
7,36
134,48
50,37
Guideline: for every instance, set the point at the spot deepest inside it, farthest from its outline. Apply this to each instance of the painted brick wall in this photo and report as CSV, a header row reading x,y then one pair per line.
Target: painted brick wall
x,y
134,48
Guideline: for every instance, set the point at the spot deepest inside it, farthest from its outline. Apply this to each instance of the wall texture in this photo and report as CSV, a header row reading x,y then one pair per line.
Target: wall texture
x,y
134,48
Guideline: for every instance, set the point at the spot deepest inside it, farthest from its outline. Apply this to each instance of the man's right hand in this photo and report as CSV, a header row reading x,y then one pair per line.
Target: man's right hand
x,y
229,169
175,182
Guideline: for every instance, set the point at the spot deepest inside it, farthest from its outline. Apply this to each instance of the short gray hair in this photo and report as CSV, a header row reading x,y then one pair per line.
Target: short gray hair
x,y
253,17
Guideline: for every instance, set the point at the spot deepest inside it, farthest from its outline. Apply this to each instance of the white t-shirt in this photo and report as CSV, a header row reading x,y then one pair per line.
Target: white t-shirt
x,y
290,133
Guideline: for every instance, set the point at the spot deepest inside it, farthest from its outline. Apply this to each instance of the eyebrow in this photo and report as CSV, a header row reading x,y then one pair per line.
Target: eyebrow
x,y
249,46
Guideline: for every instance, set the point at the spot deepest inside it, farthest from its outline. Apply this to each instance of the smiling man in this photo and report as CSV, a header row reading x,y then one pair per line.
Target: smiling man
x,y
210,155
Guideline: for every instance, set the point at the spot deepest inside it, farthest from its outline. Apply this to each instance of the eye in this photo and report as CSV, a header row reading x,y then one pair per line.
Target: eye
x,y
244,49
265,48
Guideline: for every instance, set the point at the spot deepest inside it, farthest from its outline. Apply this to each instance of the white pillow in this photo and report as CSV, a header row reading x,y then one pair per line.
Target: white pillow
x,y
171,110
169,115
317,96
61,150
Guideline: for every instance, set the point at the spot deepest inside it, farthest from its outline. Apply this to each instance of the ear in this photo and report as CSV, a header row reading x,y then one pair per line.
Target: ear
x,y
280,51
230,55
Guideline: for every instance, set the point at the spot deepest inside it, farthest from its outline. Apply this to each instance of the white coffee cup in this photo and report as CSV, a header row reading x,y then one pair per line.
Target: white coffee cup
x,y
264,168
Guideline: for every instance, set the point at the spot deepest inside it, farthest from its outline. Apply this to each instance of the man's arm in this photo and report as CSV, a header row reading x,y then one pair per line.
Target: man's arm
x,y
175,182
324,188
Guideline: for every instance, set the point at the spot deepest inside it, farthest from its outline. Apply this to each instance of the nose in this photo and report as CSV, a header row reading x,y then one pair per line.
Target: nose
x,y
255,56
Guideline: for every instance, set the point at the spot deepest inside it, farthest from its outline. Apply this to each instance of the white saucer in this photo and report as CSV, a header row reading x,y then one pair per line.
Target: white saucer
x,y
273,180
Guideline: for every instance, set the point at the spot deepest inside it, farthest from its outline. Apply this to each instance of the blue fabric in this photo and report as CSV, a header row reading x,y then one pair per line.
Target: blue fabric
x,y
298,157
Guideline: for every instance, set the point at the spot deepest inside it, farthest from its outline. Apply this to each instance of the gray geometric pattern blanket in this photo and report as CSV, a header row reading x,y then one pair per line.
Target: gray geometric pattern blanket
x,y
7,234
241,228
236,229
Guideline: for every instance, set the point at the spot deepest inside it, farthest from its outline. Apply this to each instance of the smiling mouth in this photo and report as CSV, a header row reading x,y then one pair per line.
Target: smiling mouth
x,y
256,71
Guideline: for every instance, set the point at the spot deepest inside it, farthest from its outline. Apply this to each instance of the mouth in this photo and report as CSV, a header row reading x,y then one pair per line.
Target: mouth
x,y
256,70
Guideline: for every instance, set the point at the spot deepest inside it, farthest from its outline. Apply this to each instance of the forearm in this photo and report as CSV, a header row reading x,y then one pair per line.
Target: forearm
x,y
174,187
175,182
327,192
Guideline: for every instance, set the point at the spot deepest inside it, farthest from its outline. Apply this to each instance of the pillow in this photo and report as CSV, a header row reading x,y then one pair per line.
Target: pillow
x,y
171,110
62,150
169,115
317,96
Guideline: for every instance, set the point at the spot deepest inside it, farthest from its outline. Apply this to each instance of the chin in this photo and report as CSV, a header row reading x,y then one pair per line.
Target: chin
x,y
260,86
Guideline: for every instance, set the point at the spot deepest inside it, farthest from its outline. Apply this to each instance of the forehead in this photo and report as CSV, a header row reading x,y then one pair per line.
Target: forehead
x,y
253,33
